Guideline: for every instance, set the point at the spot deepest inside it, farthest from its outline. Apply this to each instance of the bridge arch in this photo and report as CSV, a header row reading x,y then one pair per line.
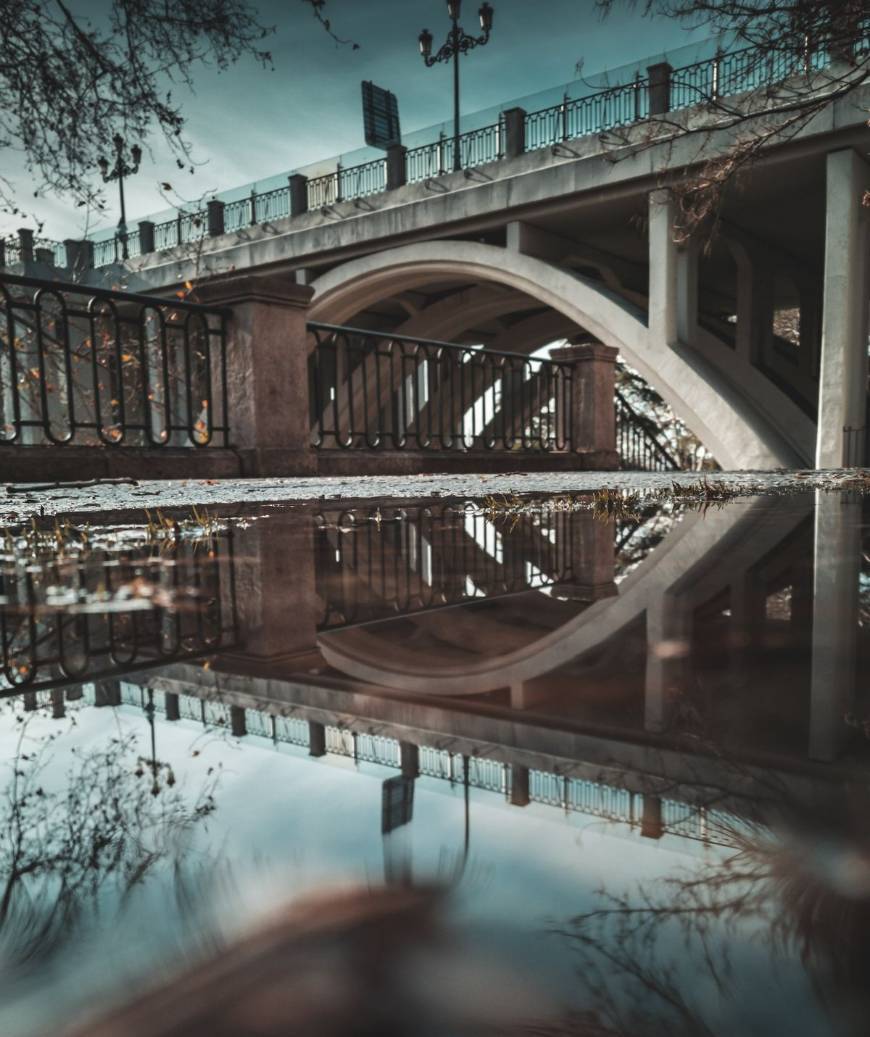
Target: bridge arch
x,y
737,435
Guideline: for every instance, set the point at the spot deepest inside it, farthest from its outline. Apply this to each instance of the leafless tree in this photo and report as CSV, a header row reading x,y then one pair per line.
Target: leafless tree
x,y
70,82
796,59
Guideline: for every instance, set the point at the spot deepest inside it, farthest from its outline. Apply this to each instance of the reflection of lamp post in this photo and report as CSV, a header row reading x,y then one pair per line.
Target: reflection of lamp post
x,y
154,764
121,169
458,42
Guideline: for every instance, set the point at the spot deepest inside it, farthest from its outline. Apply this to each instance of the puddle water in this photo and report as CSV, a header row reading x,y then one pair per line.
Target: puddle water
x,y
441,768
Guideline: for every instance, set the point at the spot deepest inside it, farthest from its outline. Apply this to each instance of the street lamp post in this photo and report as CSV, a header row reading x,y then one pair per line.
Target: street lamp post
x,y
121,169
458,42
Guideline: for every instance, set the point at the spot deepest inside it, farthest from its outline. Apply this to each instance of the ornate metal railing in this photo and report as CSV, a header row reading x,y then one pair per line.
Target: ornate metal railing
x,y
597,113
91,366
385,562
638,442
78,615
375,391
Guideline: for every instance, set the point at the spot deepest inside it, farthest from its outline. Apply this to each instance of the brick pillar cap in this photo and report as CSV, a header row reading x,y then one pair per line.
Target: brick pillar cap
x,y
586,351
240,286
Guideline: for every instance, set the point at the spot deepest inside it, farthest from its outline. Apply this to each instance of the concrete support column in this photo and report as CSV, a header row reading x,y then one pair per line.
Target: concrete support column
x,y
215,217
592,419
520,796
397,169
837,563
843,375
267,370
687,292
514,132
146,237
663,263
754,303
659,77
298,194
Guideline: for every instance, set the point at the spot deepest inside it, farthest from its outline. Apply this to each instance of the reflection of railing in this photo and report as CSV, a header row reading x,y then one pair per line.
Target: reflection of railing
x,y
75,619
375,391
87,365
856,446
569,793
394,561
637,441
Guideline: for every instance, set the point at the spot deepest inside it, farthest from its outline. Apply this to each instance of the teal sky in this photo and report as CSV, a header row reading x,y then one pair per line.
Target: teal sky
x,y
248,123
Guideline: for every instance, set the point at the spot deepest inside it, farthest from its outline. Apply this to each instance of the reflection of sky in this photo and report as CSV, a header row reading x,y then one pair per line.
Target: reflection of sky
x,y
286,825
248,123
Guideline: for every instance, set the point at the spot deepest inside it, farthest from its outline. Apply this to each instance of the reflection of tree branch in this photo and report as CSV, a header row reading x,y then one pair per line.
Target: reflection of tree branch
x,y
61,849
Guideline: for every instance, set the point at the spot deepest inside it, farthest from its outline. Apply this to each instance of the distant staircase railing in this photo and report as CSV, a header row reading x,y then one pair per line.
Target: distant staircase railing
x,y
638,441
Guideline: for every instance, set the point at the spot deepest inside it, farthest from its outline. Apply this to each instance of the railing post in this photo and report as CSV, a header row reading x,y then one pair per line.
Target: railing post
x,y
79,255
253,207
25,245
588,557
2,252
267,370
215,216
146,237
515,132
520,786
397,168
298,194
659,88
592,421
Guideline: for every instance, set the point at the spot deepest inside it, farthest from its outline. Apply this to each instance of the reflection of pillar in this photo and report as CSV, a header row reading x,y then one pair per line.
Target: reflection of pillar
x,y
520,786
837,559
107,693
277,603
316,739
651,824
667,648
238,724
410,759
589,556
30,701
58,704
172,706
747,600
74,693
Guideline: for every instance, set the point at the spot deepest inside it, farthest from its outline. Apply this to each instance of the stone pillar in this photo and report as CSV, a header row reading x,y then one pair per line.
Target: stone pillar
x,y
215,217
74,693
687,292
267,370
238,724
172,706
397,170
843,376
79,255
837,564
58,704
146,237
663,294
590,554
316,739
659,88
25,245
520,786
298,194
45,256
2,253
30,701
514,132
593,424
410,758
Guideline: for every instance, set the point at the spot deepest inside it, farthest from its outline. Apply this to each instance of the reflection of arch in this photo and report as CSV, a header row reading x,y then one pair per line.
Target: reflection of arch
x,y
695,545
724,421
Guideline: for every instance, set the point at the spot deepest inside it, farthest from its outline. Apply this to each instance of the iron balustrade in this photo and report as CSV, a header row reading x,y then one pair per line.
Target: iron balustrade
x,y
584,116
384,562
637,441
73,618
376,391
97,367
